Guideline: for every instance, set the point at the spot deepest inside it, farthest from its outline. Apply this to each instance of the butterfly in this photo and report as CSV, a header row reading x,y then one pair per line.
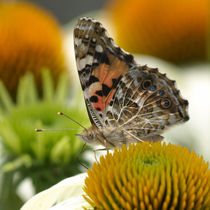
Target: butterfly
x,y
126,102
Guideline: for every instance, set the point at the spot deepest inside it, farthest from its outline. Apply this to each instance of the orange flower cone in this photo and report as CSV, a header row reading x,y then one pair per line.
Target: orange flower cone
x,y
172,30
30,39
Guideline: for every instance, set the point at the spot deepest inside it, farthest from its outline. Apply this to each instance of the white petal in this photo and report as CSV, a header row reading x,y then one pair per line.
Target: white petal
x,y
66,189
74,203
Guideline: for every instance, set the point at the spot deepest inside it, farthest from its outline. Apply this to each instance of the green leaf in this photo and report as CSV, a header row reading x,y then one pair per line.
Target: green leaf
x,y
39,148
61,151
22,91
47,85
24,160
27,92
62,88
32,93
5,98
9,137
9,199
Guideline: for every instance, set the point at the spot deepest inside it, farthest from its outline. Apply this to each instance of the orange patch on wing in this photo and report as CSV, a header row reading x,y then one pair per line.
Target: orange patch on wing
x,y
99,104
101,71
106,73
116,69
92,92
109,97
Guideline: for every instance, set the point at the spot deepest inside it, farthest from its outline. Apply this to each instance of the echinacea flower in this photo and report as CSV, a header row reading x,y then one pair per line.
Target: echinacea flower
x,y
176,31
149,176
30,39
143,176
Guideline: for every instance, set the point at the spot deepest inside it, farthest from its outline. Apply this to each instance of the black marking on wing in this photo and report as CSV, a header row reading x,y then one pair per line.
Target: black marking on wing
x,y
99,93
129,58
92,80
85,70
102,58
105,89
93,99
115,82
98,109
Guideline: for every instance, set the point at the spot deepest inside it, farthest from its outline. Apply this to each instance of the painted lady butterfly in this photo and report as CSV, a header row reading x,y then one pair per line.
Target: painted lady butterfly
x,y
126,102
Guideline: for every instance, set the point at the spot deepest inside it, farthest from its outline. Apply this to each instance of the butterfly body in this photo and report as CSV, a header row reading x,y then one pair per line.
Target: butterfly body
x,y
126,102
108,137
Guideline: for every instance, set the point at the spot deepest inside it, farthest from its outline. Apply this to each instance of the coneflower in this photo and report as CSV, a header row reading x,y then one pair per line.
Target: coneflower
x,y
149,176
30,39
175,31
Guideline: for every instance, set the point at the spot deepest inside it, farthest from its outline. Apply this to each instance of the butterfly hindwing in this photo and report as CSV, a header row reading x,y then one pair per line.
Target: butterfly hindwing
x,y
145,103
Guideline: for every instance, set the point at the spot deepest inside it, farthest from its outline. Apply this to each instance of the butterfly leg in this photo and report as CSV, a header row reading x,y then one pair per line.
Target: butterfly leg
x,y
96,150
82,149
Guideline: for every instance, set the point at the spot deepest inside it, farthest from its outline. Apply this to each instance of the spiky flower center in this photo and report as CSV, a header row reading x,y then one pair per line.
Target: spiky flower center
x,y
150,176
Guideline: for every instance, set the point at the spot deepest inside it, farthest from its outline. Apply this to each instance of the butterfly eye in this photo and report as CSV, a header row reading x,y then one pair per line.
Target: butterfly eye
x,y
91,136
165,103
146,84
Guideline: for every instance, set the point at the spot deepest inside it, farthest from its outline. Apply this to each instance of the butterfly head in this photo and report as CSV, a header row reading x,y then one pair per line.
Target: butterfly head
x,y
89,136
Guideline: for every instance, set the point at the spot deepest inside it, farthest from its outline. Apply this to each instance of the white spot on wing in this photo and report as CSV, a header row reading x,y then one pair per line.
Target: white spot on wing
x,y
172,118
106,34
135,82
113,43
77,41
84,61
123,51
86,27
103,39
95,61
99,48
120,93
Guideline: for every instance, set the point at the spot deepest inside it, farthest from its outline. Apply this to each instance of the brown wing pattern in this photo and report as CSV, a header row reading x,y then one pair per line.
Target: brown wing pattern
x,y
145,103
101,65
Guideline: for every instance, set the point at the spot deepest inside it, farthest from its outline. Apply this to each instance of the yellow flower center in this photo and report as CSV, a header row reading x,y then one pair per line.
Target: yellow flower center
x,y
149,176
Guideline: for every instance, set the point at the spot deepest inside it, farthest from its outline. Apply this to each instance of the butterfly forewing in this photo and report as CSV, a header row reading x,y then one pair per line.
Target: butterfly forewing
x,y
101,65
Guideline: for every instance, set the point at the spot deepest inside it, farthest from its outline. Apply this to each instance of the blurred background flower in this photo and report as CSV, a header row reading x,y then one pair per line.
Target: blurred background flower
x,y
175,31
30,39
173,36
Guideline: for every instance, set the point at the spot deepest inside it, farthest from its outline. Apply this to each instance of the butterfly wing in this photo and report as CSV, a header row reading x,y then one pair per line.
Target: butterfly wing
x,y
145,103
123,98
101,65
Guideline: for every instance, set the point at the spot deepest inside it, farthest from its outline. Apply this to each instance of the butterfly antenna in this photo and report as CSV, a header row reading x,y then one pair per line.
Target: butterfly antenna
x,y
40,129
61,113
